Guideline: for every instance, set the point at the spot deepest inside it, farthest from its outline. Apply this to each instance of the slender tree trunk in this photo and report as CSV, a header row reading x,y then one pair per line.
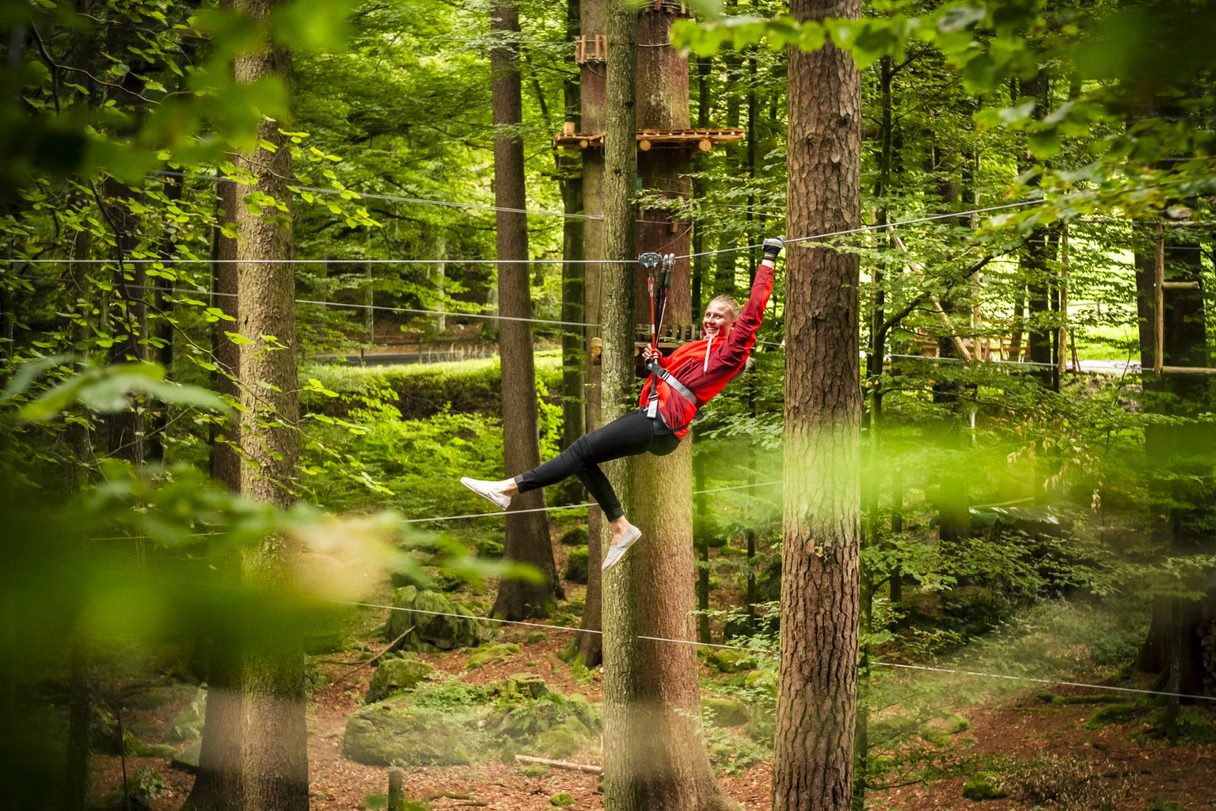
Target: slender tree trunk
x,y
588,647
527,533
219,783
817,699
274,754
163,331
574,354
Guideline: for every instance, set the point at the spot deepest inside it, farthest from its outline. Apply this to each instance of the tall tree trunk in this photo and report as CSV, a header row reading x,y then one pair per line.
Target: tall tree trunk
x,y
274,755
654,755
817,699
527,533
588,647
574,354
219,783
622,758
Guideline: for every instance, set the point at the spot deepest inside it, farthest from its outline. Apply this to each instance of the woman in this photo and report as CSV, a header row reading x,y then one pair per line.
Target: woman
x,y
689,378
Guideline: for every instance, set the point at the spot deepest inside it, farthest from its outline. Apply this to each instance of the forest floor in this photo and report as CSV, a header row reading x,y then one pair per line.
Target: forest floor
x,y
1113,766
1045,737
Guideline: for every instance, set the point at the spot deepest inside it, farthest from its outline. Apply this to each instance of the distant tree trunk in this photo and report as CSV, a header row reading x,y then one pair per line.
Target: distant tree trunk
x,y
817,699
654,755
574,353
588,647
163,332
127,430
527,533
275,754
1036,259
219,782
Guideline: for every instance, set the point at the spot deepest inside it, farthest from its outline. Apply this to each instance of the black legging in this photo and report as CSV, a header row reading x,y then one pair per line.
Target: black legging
x,y
629,435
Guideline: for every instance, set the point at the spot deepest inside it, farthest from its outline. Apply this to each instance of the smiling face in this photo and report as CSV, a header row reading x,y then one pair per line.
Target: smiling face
x,y
719,318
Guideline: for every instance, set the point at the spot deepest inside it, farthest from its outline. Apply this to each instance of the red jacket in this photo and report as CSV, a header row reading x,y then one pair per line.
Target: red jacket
x,y
706,366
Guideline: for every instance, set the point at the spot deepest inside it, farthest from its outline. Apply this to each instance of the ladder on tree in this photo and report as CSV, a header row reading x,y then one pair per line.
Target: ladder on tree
x,y
1160,285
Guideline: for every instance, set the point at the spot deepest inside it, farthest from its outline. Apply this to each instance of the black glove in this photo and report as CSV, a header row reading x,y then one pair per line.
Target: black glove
x,y
772,247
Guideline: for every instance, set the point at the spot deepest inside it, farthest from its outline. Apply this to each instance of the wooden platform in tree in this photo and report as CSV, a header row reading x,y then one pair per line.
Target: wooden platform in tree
x,y
704,140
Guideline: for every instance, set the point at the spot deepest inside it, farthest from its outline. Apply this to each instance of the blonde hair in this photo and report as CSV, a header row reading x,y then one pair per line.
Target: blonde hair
x,y
731,304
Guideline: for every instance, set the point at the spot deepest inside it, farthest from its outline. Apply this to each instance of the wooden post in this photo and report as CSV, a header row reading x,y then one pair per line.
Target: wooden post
x,y
396,789
1062,344
1159,304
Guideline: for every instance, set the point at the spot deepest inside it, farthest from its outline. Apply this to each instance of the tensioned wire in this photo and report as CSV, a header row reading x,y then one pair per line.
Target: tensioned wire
x,y
454,261
547,321
699,644
980,674
769,655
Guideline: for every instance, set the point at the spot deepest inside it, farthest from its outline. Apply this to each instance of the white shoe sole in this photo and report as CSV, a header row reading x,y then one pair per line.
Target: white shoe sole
x,y
617,551
481,488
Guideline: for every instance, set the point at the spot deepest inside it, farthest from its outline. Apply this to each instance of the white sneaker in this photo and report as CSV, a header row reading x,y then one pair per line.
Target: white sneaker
x,y
486,490
617,551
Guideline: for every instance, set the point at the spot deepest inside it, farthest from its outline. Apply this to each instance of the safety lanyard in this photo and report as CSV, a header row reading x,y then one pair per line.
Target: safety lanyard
x,y
658,268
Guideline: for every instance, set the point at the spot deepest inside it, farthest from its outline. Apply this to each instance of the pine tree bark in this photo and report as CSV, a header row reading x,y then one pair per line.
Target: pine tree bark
x,y
817,700
527,533
574,355
654,755
219,782
589,646
274,754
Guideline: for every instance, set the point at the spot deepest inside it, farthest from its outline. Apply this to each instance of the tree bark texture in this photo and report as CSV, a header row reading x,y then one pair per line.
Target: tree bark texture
x,y
817,698
622,759
527,533
218,784
574,354
275,754
592,85
654,752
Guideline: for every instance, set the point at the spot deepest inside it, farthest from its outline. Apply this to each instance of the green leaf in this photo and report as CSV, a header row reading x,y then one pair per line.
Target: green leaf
x,y
27,373
238,339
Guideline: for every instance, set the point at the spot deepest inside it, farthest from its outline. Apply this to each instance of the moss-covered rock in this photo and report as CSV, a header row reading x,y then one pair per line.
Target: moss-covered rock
x,y
397,675
724,712
385,733
431,616
576,565
521,685
984,786
492,654
459,723
562,799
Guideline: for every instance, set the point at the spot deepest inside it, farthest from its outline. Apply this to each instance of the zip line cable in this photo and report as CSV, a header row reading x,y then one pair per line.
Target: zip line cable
x,y
876,227
395,198
329,260
555,322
